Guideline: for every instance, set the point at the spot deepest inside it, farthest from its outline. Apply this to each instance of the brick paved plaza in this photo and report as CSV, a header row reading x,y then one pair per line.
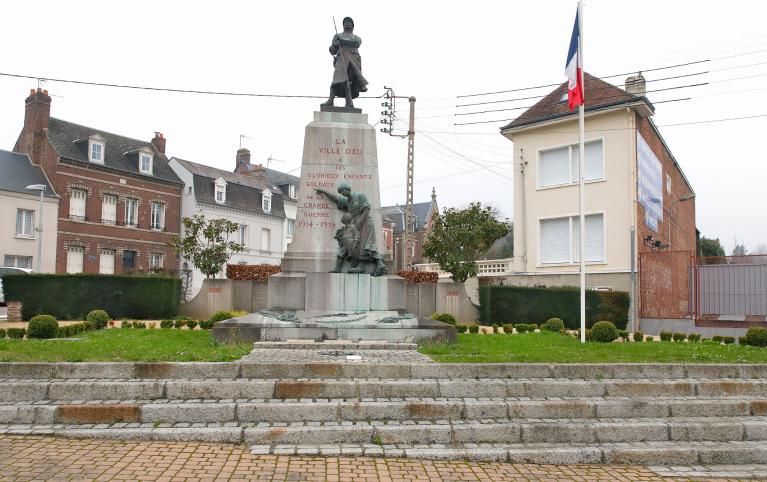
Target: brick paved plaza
x,y
26,458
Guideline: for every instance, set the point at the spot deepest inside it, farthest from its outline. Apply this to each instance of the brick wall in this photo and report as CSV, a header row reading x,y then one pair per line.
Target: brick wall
x,y
664,274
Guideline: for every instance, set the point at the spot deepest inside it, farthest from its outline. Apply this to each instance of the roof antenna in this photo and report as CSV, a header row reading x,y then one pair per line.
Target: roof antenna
x,y
243,136
270,159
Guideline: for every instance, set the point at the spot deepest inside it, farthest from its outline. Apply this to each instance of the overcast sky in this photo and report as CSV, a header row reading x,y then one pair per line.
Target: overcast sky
x,y
434,51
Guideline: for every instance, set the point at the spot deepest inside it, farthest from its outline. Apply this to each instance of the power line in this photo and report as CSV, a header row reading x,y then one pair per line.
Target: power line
x,y
168,89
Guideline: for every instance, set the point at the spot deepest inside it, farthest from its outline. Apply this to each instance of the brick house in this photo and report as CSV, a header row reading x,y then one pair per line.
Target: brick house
x,y
639,203
120,201
394,216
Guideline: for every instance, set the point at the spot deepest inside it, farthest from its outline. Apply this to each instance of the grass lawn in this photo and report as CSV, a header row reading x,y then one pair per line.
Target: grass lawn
x,y
125,345
549,347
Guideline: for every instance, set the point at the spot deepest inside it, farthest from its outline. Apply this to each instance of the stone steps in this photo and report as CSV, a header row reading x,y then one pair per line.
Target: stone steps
x,y
378,409
532,431
271,369
12,390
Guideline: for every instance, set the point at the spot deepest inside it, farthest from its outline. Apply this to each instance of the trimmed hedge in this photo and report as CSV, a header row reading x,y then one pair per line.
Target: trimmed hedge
x,y
519,304
71,297
99,318
42,327
755,336
603,332
553,324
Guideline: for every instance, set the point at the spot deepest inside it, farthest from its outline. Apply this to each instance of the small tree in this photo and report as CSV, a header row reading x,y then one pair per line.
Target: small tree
x,y
460,236
710,247
206,243
739,250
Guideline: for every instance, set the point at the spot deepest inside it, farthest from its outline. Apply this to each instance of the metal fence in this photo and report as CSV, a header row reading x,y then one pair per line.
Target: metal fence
x,y
731,285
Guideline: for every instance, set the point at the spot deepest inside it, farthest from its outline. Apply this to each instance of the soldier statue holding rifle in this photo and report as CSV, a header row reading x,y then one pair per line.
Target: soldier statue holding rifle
x,y
348,81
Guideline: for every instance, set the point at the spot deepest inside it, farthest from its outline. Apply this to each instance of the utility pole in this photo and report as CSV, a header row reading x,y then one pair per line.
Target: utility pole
x,y
408,236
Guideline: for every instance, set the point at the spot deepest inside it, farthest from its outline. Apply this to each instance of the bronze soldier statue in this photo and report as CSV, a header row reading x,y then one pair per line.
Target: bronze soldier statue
x,y
348,81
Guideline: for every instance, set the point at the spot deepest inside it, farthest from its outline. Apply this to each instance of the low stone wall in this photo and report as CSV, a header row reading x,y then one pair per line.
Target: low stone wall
x,y
453,298
421,298
14,311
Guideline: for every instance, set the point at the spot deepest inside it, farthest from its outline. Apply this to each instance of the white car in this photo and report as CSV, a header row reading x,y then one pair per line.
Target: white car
x,y
9,270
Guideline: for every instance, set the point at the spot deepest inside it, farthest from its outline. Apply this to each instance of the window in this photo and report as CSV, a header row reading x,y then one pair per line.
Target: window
x,y
77,204
243,235
220,191
266,201
291,226
145,163
131,212
25,222
75,259
292,190
561,166
129,260
668,184
265,239
18,261
96,151
158,216
107,261
560,240
109,209
155,261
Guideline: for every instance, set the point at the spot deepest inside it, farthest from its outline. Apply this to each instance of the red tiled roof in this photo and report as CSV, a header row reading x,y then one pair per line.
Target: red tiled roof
x,y
599,94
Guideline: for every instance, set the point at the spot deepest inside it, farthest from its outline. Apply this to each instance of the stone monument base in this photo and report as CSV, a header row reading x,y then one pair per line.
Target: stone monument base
x,y
390,326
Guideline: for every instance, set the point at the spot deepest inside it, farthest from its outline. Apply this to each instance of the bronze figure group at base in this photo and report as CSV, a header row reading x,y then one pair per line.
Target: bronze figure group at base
x,y
356,236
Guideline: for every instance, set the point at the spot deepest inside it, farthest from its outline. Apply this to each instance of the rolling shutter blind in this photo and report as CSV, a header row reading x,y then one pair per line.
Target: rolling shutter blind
x,y
75,260
594,164
555,168
555,240
594,242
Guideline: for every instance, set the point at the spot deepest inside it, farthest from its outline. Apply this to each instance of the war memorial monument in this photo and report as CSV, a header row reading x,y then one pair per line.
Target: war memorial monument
x,y
334,284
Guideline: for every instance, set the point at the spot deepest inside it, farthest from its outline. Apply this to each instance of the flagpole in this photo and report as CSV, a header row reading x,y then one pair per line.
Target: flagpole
x,y
582,169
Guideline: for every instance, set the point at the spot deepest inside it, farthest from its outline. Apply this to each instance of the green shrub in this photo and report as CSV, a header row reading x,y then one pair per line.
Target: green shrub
x,y
126,324
207,325
474,329
191,324
139,324
717,338
756,336
16,332
532,327
42,327
604,332
166,324
458,328
693,337
100,318
71,297
179,323
679,336
638,336
623,334
89,326
666,335
553,324
728,340
508,328
2,333
221,315
522,327
518,304
649,339
443,317
743,341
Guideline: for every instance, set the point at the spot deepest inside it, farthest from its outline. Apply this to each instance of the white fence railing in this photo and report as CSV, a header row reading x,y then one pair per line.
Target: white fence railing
x,y
486,267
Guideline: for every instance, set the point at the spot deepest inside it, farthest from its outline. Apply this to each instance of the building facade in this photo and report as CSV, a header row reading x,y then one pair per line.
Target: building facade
x,y
119,200
287,184
20,214
638,199
248,201
425,214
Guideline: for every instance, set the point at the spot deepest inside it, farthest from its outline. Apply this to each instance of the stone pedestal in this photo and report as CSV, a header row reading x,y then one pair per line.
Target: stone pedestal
x,y
338,146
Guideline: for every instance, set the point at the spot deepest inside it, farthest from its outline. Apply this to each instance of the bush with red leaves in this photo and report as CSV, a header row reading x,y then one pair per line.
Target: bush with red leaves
x,y
251,272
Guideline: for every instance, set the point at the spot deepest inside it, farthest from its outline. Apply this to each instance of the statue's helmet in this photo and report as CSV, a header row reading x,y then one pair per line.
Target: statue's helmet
x,y
349,19
344,185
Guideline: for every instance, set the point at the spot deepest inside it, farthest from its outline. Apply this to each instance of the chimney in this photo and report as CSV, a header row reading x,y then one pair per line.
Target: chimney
x,y
636,85
243,157
159,142
37,113
256,172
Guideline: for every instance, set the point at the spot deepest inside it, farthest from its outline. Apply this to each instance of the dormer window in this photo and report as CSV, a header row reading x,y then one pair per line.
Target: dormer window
x,y
145,162
266,201
96,146
292,191
220,190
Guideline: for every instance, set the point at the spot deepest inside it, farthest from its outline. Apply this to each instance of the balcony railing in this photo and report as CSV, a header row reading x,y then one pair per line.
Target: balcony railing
x,y
485,267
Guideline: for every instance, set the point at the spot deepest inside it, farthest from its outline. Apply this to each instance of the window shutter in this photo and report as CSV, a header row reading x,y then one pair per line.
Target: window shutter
x,y
109,208
77,203
265,240
554,168
594,244
75,260
107,262
555,240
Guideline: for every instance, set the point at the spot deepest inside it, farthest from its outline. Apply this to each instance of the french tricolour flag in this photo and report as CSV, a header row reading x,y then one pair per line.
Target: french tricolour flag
x,y
573,70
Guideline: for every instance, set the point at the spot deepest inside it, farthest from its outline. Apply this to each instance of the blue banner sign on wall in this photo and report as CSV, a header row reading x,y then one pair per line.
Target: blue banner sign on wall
x,y
650,184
